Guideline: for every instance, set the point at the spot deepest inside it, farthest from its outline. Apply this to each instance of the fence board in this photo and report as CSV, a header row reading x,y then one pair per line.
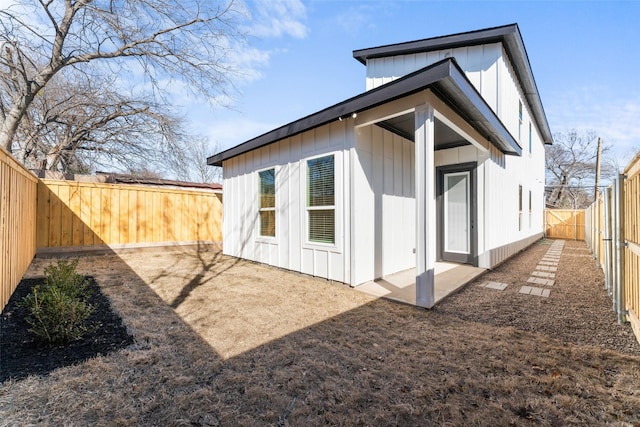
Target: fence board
x,y
631,232
568,224
624,287
85,214
18,189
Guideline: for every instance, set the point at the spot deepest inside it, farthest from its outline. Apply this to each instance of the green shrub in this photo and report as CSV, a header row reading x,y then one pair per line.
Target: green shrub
x,y
58,309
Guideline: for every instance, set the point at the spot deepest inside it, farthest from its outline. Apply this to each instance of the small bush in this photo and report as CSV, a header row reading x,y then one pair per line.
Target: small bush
x,y
58,309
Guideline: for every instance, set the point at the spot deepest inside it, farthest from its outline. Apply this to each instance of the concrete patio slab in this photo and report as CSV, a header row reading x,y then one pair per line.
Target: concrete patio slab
x,y
401,286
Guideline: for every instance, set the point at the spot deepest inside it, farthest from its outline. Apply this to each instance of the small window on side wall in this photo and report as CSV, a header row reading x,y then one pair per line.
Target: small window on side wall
x,y
520,207
321,200
519,120
267,194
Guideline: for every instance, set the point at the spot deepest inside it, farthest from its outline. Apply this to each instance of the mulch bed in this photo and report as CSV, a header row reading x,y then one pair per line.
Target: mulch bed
x,y
21,354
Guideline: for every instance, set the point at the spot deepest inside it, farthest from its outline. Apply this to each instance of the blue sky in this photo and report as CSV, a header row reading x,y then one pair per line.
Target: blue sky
x,y
584,55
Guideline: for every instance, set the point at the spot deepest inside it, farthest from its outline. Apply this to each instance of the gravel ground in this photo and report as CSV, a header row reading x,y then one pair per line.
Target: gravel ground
x,y
578,309
221,341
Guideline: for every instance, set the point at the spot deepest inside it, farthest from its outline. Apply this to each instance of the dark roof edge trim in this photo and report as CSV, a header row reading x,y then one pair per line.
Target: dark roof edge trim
x,y
435,75
468,38
361,102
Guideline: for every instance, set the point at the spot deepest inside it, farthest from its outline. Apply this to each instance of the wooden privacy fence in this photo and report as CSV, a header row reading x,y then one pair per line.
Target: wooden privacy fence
x,y
565,224
17,223
81,215
613,235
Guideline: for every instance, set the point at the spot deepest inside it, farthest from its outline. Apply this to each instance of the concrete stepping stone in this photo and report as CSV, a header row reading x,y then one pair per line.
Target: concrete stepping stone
x,y
495,285
532,290
544,274
541,281
551,263
546,268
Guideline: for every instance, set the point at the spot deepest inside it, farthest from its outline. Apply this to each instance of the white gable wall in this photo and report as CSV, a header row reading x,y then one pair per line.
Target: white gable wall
x,y
289,249
486,66
480,64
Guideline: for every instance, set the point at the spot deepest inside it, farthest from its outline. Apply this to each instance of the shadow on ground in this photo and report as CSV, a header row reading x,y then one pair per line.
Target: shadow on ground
x,y
253,345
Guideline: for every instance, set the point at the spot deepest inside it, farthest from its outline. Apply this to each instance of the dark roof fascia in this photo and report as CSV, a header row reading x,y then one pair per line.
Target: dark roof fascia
x,y
458,91
444,77
508,35
469,38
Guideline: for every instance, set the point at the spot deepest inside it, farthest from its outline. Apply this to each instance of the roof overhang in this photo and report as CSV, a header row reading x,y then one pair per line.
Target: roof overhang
x,y
444,78
508,35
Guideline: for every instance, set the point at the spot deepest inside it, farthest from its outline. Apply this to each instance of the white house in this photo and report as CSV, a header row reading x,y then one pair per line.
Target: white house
x,y
442,158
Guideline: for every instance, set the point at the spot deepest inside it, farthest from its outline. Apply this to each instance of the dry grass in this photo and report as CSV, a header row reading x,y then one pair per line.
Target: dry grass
x,y
228,342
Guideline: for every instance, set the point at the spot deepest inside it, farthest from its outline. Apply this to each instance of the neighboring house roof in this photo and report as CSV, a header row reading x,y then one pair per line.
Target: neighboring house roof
x,y
508,35
445,78
120,178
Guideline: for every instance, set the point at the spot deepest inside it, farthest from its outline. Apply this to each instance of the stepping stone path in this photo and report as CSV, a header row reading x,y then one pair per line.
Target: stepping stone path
x,y
545,272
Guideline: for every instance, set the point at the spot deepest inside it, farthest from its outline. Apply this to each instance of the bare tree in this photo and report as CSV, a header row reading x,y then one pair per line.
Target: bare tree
x,y
190,163
571,167
74,126
181,41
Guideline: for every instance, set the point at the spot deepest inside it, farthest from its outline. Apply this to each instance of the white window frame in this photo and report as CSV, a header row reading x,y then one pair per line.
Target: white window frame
x,y
269,209
530,207
520,206
520,115
308,209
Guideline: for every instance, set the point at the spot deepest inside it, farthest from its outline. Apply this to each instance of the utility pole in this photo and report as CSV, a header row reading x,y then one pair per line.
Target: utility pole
x,y
598,161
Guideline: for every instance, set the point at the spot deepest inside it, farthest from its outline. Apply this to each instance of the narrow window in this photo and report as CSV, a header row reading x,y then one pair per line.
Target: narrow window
x,y
520,207
530,138
268,203
530,208
321,199
519,120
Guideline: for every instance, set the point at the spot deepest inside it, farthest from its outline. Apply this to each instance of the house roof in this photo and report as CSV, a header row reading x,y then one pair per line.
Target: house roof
x,y
445,78
120,178
508,35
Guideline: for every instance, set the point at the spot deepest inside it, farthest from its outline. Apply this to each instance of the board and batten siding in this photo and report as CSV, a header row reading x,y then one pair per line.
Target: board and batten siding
x,y
489,70
480,64
290,248
383,204
498,178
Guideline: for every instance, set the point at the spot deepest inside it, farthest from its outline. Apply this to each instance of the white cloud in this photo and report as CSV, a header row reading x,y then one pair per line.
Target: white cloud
x,y
613,117
277,18
355,19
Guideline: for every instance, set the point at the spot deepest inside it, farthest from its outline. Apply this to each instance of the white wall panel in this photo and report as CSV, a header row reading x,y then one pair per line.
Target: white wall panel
x,y
384,228
289,248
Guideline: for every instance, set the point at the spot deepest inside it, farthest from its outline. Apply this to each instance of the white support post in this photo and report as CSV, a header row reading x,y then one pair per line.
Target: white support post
x,y
425,206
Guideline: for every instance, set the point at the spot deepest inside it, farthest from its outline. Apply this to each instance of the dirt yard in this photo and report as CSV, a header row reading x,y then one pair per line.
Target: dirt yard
x,y
219,341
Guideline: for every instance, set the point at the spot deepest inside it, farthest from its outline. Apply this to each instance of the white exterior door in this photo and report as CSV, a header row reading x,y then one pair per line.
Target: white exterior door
x,y
456,210
457,213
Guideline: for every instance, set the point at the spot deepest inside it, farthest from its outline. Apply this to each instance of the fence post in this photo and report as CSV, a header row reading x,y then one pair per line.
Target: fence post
x,y
619,236
606,240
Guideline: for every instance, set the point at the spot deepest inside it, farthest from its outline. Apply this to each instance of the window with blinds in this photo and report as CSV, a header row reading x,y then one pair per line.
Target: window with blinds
x,y
321,199
267,194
